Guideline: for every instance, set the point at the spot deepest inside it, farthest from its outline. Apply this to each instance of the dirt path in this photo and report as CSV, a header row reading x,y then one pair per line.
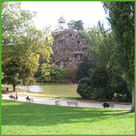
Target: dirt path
x,y
63,102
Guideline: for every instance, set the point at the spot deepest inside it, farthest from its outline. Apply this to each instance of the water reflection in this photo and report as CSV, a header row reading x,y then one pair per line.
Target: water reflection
x,y
35,88
32,88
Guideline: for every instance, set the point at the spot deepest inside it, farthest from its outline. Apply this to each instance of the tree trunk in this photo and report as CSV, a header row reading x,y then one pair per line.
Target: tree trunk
x,y
133,99
14,87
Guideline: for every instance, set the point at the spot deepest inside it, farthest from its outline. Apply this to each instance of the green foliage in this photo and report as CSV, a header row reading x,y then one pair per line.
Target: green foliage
x,y
121,18
22,44
103,93
84,88
71,24
77,25
101,45
121,89
101,81
123,98
122,23
83,68
51,74
100,77
70,75
120,85
104,53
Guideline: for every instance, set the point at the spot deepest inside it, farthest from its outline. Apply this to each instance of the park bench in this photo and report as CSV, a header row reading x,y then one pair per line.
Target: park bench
x,y
57,102
72,103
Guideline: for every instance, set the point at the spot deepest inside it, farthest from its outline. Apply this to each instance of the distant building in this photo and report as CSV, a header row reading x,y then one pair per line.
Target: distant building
x,y
61,22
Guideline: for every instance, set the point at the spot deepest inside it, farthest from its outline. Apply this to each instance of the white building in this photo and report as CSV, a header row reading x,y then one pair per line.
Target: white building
x,y
61,22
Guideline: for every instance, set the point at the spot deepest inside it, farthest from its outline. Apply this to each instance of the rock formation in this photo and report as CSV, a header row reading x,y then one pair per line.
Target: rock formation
x,y
68,47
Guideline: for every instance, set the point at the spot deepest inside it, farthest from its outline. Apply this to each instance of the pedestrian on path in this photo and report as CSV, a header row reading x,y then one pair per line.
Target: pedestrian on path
x,y
16,94
7,89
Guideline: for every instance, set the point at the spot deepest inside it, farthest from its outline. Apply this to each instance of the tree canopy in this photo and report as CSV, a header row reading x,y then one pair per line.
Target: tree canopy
x,y
121,18
22,44
77,25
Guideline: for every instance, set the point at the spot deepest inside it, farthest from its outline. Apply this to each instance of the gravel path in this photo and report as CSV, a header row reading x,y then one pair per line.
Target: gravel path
x,y
63,102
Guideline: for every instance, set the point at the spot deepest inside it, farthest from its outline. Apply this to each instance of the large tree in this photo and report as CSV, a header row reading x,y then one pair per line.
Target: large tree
x,y
22,44
121,18
101,46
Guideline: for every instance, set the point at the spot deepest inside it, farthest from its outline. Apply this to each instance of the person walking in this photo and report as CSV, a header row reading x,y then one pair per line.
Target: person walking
x,y
16,94
7,89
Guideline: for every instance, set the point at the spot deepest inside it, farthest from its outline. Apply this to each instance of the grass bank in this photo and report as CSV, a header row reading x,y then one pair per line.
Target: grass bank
x,y
29,118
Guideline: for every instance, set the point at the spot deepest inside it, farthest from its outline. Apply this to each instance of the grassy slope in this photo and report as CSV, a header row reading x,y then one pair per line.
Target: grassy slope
x,y
29,118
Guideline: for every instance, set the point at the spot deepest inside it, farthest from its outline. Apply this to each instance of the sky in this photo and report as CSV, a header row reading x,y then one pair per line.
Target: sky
x,y
48,13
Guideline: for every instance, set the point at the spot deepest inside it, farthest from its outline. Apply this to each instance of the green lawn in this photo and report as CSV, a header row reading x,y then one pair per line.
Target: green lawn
x,y
29,118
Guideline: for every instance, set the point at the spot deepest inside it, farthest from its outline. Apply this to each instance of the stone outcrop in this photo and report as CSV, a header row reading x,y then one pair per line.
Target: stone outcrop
x,y
68,47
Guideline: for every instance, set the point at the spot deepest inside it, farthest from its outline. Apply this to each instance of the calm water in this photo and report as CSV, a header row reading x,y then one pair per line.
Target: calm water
x,y
67,90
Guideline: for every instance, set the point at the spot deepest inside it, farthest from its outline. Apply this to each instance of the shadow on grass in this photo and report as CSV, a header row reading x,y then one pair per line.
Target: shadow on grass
x,y
20,113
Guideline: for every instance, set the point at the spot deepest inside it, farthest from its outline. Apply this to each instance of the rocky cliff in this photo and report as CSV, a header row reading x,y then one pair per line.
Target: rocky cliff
x,y
68,47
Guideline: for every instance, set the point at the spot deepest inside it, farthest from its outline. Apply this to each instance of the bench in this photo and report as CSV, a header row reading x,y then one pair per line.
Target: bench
x,y
72,103
57,102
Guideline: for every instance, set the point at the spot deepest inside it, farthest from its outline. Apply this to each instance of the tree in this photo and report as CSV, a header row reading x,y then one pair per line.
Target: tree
x,y
102,48
51,73
77,25
70,75
101,44
83,68
121,18
71,24
22,44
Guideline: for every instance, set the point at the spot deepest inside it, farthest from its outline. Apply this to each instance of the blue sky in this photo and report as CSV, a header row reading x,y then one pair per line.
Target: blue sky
x,y
48,13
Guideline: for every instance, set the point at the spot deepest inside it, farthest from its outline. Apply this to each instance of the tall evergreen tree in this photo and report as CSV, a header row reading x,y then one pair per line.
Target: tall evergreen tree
x,y
121,18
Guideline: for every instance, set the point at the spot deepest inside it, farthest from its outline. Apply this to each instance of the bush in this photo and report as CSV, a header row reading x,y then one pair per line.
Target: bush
x,y
70,74
100,78
121,89
124,98
50,74
120,85
103,94
84,88
56,74
83,68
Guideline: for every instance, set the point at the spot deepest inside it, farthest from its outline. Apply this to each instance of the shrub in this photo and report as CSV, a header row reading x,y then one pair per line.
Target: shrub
x,y
83,68
121,88
124,98
56,74
103,94
84,88
100,78
50,73
71,73
120,85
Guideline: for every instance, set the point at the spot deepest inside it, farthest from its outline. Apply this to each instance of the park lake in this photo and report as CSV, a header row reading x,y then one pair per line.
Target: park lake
x,y
54,90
